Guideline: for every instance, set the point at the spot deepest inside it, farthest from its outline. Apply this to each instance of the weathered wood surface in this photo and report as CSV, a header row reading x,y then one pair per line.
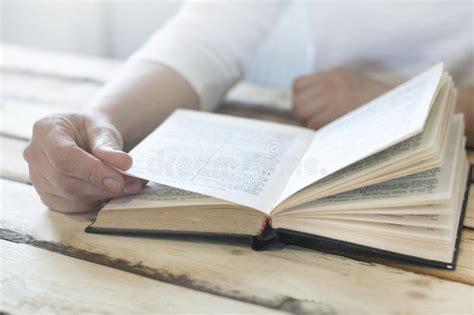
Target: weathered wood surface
x,y
15,168
464,269
290,278
54,91
12,164
18,117
18,59
37,281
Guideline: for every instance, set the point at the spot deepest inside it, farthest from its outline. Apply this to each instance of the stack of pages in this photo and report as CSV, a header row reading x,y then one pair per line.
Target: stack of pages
x,y
388,178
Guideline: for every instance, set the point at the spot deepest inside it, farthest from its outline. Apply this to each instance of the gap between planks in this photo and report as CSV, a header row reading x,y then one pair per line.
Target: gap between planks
x,y
46,68
31,284
291,279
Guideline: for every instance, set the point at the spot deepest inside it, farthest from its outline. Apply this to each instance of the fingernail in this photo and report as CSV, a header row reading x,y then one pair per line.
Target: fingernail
x,y
132,189
111,184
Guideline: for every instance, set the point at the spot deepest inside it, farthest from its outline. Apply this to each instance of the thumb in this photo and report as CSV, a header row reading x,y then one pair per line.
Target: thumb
x,y
106,144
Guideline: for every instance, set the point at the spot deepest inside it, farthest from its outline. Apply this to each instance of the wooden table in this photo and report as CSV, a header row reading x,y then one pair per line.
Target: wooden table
x,y
49,265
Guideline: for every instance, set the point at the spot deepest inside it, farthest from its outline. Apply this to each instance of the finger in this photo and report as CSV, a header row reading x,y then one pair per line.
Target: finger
x,y
309,98
304,82
69,159
74,186
105,143
133,185
77,188
64,205
301,83
319,120
314,107
57,202
308,94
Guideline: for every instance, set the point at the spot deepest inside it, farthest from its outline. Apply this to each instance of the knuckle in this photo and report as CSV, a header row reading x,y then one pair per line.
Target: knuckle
x,y
339,74
314,123
106,133
47,201
299,113
28,153
33,179
296,102
41,126
299,83
327,83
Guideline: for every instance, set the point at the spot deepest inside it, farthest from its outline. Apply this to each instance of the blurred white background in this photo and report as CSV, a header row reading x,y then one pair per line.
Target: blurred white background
x,y
114,29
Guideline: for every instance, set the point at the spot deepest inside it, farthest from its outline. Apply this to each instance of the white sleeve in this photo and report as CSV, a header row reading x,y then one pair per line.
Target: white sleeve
x,y
210,43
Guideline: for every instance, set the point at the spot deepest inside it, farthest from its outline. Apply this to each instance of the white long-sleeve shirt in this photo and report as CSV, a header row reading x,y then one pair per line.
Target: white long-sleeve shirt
x,y
211,43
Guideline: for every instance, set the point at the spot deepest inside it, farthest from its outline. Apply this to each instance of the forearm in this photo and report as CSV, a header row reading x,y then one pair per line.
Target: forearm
x,y
465,104
143,96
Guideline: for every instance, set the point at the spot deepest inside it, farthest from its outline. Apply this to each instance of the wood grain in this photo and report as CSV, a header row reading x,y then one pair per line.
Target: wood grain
x,y
58,65
36,281
65,94
290,278
464,269
18,117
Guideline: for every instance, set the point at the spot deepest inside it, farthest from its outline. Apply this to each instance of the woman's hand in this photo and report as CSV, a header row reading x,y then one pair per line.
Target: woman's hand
x,y
320,98
70,158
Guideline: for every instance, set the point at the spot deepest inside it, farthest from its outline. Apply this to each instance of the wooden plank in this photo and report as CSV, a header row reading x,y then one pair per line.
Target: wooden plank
x,y
257,112
65,94
464,269
250,95
290,278
12,164
55,64
18,117
36,281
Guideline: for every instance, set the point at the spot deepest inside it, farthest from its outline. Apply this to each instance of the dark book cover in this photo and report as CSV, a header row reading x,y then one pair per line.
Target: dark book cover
x,y
269,236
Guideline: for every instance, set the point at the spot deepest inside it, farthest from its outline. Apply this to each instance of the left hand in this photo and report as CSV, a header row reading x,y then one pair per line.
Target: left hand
x,y
322,97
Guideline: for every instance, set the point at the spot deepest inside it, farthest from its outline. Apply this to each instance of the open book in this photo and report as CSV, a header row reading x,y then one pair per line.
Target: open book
x,y
389,177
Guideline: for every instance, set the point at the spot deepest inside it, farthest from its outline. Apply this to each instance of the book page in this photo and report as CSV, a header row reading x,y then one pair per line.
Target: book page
x,y
156,195
429,187
389,119
436,221
398,160
244,161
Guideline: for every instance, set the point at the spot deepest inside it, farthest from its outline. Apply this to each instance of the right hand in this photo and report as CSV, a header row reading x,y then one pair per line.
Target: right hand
x,y
70,159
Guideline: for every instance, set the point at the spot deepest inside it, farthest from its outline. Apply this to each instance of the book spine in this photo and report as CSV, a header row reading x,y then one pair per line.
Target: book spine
x,y
266,235
265,224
